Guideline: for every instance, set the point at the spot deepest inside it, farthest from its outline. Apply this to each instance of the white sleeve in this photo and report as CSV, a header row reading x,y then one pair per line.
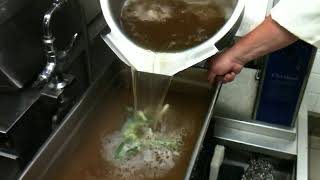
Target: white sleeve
x,y
301,18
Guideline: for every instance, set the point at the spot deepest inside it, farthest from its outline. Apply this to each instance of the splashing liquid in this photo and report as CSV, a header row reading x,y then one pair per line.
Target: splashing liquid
x,y
92,157
149,91
146,141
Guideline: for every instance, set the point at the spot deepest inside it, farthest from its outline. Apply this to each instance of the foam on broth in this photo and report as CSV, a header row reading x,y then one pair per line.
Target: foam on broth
x,y
89,158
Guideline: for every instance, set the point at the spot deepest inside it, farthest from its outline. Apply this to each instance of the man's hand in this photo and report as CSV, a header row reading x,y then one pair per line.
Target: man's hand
x,y
224,67
267,37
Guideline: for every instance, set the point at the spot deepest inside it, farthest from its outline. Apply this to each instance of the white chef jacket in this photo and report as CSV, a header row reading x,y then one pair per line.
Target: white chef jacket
x,y
301,18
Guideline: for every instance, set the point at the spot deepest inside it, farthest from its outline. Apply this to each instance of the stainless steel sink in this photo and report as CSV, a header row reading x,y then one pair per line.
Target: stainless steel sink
x,y
75,128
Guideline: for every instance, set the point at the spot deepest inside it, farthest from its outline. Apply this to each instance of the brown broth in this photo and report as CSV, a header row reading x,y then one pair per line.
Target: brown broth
x,y
171,25
86,162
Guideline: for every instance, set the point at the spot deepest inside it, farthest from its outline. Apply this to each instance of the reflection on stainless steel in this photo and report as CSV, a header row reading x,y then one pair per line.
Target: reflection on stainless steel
x,y
54,57
258,128
8,155
203,131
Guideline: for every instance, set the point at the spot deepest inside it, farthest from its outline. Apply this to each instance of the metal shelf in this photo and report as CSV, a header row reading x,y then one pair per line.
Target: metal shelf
x,y
234,123
262,141
235,127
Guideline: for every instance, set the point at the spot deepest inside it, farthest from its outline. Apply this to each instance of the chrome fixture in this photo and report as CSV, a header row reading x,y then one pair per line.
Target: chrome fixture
x,y
54,57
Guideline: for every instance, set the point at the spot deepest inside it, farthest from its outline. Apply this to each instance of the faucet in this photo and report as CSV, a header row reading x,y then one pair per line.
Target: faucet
x,y
53,56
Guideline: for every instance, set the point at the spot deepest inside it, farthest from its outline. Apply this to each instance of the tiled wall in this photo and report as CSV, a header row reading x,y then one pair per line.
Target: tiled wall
x,y
313,88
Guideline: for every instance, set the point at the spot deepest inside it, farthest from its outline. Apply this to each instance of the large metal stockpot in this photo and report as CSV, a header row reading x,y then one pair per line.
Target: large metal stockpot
x,y
167,63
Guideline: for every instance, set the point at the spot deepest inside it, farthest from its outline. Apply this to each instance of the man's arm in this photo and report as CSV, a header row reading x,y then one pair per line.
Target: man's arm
x,y
301,18
267,37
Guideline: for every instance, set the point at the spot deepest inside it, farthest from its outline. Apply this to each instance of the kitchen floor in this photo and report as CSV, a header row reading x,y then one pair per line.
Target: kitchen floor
x,y
314,146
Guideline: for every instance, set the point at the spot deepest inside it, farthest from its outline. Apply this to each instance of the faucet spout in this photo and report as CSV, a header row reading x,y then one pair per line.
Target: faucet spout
x,y
56,5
